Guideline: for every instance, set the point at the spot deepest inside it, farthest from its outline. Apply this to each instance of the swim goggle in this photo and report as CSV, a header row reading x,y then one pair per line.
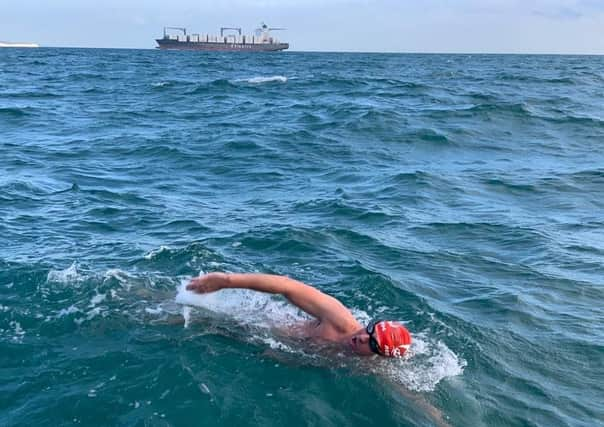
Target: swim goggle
x,y
373,344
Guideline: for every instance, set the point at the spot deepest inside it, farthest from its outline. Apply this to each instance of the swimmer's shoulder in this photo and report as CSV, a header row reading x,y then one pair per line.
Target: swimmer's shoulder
x,y
328,331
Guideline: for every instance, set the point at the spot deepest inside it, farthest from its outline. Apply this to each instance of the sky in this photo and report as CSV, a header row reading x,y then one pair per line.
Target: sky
x,y
447,26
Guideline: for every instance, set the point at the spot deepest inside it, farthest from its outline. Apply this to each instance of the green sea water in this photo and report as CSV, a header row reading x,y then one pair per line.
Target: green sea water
x,y
459,194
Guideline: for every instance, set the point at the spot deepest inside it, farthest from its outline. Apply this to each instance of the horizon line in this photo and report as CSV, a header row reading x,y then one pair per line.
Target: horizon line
x,y
410,52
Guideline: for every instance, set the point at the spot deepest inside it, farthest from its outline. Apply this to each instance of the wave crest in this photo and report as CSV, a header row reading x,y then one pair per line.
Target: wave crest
x,y
264,79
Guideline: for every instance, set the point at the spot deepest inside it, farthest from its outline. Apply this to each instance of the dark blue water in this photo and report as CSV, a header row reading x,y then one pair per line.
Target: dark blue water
x,y
460,194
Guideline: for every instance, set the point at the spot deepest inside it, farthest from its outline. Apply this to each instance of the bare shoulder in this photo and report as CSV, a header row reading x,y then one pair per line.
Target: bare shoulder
x,y
317,330
335,331
340,318
326,308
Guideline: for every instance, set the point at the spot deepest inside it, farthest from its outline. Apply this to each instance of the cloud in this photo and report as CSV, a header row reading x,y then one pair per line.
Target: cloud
x,y
559,14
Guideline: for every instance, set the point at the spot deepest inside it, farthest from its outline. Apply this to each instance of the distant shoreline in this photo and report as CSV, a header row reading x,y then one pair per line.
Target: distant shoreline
x,y
18,44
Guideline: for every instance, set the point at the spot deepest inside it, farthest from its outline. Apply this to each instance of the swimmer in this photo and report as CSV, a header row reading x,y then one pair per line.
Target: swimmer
x,y
333,322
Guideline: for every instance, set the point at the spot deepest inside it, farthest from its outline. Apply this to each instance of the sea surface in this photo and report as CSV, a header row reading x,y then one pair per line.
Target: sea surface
x,y
460,194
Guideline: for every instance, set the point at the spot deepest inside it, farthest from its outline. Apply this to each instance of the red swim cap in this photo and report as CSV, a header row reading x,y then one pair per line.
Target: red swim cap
x,y
392,337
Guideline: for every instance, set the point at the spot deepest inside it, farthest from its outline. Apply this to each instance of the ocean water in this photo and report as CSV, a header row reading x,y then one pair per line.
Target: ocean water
x,y
460,194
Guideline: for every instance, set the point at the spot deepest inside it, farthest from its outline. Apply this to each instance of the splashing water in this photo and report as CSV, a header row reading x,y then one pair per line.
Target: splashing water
x,y
424,366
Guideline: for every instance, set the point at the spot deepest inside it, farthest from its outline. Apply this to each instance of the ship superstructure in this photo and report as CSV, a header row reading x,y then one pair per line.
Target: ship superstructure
x,y
230,39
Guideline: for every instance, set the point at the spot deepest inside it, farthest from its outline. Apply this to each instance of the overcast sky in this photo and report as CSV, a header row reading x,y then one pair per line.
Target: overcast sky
x,y
495,26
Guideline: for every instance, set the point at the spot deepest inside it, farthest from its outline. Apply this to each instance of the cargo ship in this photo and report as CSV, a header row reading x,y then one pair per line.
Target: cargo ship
x,y
230,39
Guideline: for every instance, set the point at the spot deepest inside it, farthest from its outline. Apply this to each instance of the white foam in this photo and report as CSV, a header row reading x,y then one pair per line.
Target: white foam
x,y
153,253
278,345
264,79
204,388
121,276
243,305
67,311
93,313
186,314
98,298
117,274
425,365
69,275
157,310
19,332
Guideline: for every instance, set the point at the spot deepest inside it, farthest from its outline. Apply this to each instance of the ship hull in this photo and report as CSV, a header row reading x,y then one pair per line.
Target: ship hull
x,y
220,47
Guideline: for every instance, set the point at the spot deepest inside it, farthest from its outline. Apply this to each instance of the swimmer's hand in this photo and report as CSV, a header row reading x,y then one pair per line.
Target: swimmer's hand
x,y
321,306
208,283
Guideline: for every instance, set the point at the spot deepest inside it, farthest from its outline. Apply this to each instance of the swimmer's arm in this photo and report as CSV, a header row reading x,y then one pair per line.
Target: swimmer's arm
x,y
307,298
422,403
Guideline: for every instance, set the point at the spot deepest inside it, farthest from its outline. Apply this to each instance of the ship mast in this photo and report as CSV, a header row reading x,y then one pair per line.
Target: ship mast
x,y
238,29
184,30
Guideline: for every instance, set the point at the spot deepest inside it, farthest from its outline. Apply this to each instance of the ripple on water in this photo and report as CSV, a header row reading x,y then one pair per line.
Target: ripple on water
x,y
460,194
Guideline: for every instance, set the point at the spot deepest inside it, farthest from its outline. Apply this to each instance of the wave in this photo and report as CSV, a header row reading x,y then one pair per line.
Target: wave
x,y
514,108
263,79
372,119
572,183
15,112
485,231
87,76
204,88
587,121
37,62
511,186
522,110
432,135
399,84
68,275
403,183
75,298
386,86
93,90
533,79
152,150
23,190
589,175
161,84
123,198
337,208
154,253
29,95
